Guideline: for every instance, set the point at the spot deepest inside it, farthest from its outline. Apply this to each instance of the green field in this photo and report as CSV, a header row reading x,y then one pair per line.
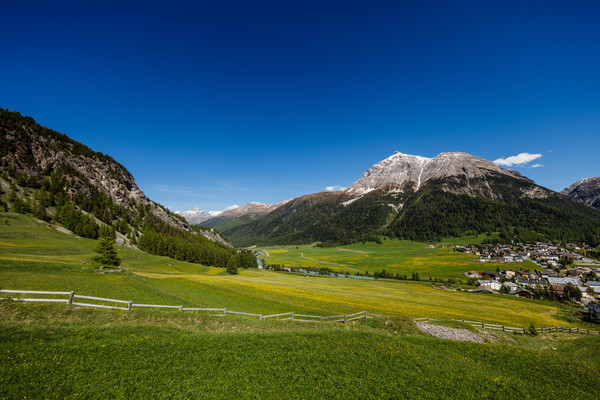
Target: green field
x,y
52,351
37,258
395,256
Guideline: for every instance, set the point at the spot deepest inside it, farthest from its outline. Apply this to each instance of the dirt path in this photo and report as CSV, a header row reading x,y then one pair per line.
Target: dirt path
x,y
445,332
354,251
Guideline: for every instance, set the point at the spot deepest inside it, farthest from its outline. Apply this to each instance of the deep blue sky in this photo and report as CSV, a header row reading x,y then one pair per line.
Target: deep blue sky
x,y
214,103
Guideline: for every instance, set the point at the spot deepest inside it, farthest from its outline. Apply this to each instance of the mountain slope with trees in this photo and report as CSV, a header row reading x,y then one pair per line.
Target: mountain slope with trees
x,y
49,175
423,199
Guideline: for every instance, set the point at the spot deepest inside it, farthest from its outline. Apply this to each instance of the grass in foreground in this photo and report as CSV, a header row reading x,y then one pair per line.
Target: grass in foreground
x,y
50,353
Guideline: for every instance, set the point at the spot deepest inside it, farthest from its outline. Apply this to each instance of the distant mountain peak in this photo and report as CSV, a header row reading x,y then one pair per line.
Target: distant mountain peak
x,y
196,215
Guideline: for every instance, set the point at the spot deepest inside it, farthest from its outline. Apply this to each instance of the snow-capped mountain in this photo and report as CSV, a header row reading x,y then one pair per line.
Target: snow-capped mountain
x,y
196,216
420,198
401,172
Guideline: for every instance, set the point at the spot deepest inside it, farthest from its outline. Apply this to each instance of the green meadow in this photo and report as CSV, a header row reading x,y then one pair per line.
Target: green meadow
x,y
53,351
395,256
36,256
56,353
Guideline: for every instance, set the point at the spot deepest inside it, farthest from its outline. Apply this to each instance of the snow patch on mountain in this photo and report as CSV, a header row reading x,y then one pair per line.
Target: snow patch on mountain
x,y
401,172
196,215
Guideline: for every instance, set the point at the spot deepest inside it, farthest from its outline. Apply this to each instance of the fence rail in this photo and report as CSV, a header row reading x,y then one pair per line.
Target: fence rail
x,y
72,298
513,329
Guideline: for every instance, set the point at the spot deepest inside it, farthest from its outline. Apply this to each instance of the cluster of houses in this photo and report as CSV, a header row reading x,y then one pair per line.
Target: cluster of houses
x,y
553,273
546,255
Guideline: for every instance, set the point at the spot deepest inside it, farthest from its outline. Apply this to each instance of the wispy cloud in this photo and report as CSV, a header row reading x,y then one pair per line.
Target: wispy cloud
x,y
226,186
232,207
518,160
171,189
537,166
334,188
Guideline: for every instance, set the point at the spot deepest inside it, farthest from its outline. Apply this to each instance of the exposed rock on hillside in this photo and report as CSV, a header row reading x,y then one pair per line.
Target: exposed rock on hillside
x,y
420,198
36,155
402,172
586,190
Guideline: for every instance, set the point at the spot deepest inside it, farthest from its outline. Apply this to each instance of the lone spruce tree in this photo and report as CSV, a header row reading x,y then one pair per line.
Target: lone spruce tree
x,y
107,255
232,265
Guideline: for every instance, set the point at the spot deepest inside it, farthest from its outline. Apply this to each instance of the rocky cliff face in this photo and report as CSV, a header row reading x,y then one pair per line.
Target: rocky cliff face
x,y
469,175
586,190
33,154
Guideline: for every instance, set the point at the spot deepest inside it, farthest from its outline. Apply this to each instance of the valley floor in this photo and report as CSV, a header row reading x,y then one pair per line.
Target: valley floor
x,y
53,351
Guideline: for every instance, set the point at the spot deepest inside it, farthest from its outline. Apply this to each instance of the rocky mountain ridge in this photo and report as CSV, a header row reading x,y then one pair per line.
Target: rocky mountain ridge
x,y
586,190
39,157
242,214
420,198
404,172
196,216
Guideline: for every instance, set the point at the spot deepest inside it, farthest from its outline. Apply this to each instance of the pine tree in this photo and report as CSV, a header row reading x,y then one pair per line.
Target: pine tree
x,y
232,266
107,255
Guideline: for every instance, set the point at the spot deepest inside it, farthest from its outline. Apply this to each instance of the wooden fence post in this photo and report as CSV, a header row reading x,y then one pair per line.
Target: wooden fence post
x,y
321,319
260,317
224,312
292,315
482,325
366,314
130,305
70,301
503,328
345,318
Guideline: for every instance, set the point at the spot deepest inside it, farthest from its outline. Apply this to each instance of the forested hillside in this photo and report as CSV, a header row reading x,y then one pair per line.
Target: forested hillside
x,y
451,206
55,178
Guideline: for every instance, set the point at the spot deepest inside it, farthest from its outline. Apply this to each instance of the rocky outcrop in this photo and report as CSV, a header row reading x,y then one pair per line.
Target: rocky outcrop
x,y
31,150
402,172
586,190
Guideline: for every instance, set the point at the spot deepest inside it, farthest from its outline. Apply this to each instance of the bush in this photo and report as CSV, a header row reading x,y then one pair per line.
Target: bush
x,y
532,329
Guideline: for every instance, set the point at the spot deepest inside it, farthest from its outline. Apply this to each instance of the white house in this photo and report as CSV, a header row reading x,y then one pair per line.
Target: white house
x,y
564,281
512,286
494,285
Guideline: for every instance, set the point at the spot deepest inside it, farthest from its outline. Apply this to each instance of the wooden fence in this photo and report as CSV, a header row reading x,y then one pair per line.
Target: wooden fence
x,y
73,299
513,329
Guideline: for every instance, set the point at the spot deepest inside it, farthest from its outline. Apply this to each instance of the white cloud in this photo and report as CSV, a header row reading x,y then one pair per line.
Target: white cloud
x,y
232,207
334,188
518,160
537,166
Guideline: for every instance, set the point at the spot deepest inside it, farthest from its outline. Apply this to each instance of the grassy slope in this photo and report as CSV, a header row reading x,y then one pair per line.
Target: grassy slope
x,y
396,256
45,353
49,351
35,257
